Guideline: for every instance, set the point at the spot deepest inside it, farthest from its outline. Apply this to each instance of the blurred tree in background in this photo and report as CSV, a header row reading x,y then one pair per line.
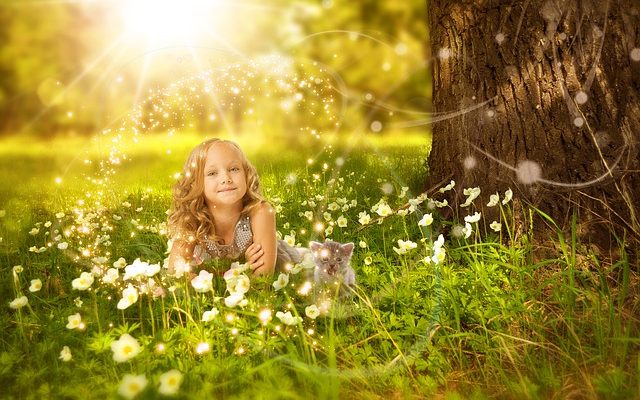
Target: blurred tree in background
x,y
76,67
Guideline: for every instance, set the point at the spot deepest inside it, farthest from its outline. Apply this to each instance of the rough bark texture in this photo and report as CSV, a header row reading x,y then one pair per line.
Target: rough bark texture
x,y
530,61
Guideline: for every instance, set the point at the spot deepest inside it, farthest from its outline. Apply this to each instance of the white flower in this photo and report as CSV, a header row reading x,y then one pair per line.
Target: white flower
x,y
47,224
210,315
441,204
120,263
111,276
74,321
368,260
132,385
493,200
282,281
100,260
287,318
363,244
152,269
404,246
384,210
450,186
496,226
60,215
403,191
65,354
78,302
129,297
170,382
507,196
239,285
327,216
328,231
312,311
63,245
308,215
472,218
290,239
125,348
17,269
36,285
84,282
427,219
342,221
439,252
467,230
135,270
403,212
19,302
234,299
364,218
307,261
203,282
34,231
472,194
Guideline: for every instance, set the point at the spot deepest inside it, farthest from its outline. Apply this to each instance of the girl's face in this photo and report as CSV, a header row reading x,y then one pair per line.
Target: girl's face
x,y
225,182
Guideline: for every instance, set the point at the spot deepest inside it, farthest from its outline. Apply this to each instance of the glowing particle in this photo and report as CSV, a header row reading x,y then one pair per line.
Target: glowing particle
x,y
265,315
578,121
400,49
202,348
234,331
470,162
160,348
581,97
339,161
562,36
491,113
387,188
229,317
69,114
528,172
58,180
376,126
310,161
444,53
386,66
368,97
500,38
318,227
635,54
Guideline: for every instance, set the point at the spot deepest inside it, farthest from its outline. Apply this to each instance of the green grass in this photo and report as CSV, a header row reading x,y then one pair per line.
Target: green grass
x,y
493,320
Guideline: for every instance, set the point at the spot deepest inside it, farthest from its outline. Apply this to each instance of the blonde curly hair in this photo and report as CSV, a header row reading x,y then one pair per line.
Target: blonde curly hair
x,y
190,219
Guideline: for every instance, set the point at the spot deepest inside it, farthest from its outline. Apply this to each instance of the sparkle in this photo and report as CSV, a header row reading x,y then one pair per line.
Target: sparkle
x,y
202,348
58,180
635,54
500,38
528,172
581,97
376,126
444,53
318,227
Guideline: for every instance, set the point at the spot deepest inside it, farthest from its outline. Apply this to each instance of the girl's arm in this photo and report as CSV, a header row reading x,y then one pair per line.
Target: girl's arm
x,y
263,226
181,251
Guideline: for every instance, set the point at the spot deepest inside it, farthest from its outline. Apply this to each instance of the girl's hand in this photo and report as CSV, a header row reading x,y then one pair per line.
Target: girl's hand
x,y
253,255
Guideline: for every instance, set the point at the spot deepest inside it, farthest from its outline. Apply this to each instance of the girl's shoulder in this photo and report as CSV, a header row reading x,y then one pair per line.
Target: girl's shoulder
x,y
262,209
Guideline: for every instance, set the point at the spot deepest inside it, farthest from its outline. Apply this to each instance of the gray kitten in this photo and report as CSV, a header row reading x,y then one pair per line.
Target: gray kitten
x,y
333,264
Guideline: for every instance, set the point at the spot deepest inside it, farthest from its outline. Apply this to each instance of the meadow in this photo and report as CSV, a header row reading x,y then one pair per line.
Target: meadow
x,y
475,313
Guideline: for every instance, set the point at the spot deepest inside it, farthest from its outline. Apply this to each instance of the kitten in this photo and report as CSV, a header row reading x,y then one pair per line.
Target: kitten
x,y
333,264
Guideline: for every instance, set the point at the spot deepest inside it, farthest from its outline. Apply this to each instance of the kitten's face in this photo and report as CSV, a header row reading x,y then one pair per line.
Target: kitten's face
x,y
331,257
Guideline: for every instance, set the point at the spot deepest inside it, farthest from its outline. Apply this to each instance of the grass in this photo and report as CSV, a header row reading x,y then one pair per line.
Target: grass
x,y
489,321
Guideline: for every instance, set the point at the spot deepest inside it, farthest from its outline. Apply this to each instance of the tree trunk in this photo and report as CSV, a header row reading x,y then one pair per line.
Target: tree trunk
x,y
541,96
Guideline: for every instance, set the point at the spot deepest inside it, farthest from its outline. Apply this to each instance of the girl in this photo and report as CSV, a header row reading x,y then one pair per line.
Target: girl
x,y
219,212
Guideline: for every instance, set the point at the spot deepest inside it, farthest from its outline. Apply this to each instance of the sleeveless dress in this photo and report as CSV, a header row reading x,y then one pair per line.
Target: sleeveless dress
x,y
242,239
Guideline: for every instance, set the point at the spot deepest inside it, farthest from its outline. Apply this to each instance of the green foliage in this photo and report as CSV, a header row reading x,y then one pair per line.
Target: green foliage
x,y
485,322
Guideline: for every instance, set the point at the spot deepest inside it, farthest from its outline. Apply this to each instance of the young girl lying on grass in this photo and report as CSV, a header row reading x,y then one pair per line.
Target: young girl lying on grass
x,y
219,212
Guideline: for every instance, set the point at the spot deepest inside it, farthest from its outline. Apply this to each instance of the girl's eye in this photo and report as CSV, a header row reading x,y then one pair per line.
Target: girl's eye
x,y
235,169
212,173
339,259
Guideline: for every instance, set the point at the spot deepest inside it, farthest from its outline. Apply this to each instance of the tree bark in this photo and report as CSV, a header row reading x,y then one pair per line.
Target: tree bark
x,y
541,96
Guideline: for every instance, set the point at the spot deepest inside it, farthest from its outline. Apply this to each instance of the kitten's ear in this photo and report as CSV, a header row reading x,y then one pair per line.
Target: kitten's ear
x,y
315,246
348,248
